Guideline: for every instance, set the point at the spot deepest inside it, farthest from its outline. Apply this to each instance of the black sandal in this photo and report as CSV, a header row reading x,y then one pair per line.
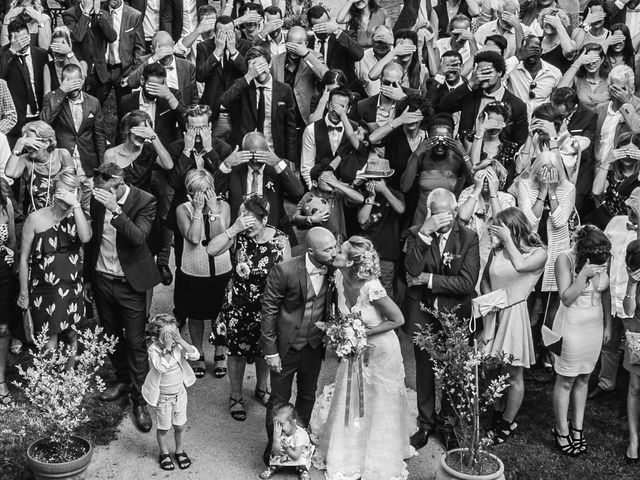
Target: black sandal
x,y
262,396
6,398
166,463
503,431
580,442
570,449
200,371
239,414
219,372
184,461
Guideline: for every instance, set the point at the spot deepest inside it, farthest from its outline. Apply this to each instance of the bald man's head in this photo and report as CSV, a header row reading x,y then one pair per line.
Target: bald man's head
x,y
255,142
163,44
392,75
321,246
297,34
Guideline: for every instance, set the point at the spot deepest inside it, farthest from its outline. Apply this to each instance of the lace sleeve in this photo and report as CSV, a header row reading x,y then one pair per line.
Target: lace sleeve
x,y
375,290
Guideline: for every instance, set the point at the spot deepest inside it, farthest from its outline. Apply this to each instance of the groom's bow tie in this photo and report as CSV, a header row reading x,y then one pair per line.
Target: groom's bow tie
x,y
318,271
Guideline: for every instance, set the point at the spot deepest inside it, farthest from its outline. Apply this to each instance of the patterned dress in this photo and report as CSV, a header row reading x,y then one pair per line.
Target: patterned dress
x,y
56,293
240,317
7,279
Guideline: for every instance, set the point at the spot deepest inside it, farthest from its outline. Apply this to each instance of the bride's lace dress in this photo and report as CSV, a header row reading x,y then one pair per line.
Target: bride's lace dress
x,y
373,447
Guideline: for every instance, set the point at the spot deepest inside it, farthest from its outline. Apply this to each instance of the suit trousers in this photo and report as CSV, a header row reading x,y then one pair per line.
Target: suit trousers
x,y
163,192
101,90
610,356
306,363
123,314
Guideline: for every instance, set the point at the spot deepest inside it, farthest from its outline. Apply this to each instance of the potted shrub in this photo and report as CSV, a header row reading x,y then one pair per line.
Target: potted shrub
x,y
56,386
458,365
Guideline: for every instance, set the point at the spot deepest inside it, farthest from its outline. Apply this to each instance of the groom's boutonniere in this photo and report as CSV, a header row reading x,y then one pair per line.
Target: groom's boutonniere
x,y
269,185
449,257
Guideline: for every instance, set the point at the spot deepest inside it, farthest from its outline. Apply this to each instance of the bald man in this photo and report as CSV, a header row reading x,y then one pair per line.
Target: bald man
x,y
296,298
181,74
442,265
255,170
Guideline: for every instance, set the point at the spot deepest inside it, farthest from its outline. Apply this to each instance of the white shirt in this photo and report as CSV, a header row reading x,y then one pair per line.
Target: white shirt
x,y
491,28
108,261
384,114
372,87
487,98
172,75
519,83
632,19
116,23
268,92
29,63
308,157
620,237
250,176
151,21
608,133
189,17
444,45
275,46
76,111
148,107
316,278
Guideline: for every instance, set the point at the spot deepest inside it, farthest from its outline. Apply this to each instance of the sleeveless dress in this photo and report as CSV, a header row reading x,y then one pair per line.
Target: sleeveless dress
x,y
55,277
373,447
581,326
513,328
40,186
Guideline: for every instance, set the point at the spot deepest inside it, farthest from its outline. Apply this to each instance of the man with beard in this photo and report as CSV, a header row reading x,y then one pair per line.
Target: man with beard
x,y
533,79
508,25
381,45
271,36
461,38
483,87
77,119
163,104
181,74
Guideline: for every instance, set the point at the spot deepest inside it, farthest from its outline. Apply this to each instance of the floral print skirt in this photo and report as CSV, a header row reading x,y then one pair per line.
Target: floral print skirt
x,y
238,328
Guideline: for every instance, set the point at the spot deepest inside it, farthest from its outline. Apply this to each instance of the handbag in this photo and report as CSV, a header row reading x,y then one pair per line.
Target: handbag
x,y
633,345
27,325
553,329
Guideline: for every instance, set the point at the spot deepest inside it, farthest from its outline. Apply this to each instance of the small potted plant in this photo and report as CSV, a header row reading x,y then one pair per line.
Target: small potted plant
x,y
57,386
458,365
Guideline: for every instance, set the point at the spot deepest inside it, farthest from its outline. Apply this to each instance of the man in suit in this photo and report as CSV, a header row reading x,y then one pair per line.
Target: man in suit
x,y
181,74
442,265
263,104
22,66
255,170
271,36
483,87
122,270
219,64
172,16
579,121
297,296
447,79
338,47
77,119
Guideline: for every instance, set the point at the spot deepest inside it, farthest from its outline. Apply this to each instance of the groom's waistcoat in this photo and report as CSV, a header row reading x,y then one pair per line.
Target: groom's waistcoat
x,y
314,311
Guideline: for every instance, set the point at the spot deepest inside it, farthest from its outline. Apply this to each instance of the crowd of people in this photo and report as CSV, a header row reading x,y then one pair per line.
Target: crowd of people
x,y
289,155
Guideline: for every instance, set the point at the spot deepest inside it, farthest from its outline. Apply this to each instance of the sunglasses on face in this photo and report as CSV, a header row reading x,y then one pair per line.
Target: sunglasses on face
x,y
105,176
389,83
532,87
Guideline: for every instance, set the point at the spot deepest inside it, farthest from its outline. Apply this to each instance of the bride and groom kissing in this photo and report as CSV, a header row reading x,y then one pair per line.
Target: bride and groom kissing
x,y
298,295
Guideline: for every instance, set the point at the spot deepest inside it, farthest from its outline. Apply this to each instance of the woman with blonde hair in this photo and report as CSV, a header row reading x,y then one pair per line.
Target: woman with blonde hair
x,y
201,279
51,263
38,22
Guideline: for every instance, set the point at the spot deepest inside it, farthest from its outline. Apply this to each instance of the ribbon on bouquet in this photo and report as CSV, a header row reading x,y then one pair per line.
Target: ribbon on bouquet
x,y
355,363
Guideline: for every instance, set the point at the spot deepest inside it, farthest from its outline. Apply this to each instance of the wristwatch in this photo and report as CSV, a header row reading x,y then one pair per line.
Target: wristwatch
x,y
117,211
17,153
151,139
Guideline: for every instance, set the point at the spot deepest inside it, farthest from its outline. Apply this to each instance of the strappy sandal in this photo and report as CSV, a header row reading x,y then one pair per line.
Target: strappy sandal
x,y
503,431
580,442
184,461
262,396
219,372
199,372
268,473
166,463
570,448
237,409
6,398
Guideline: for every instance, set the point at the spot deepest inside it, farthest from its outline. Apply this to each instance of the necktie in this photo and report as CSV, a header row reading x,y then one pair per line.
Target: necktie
x,y
31,98
322,47
261,109
442,243
255,177
111,46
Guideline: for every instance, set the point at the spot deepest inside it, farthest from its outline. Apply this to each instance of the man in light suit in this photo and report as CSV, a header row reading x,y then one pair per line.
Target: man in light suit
x,y
297,296
77,119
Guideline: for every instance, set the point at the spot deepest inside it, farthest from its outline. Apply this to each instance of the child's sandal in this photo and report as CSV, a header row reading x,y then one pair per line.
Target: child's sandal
x,y
268,473
166,463
184,461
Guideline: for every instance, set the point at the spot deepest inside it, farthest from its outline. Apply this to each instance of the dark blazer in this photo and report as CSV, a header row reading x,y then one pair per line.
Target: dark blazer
x,y
140,5
454,285
168,124
344,52
131,44
132,227
90,35
90,138
584,123
409,14
436,91
186,73
17,83
283,304
245,117
215,77
171,16
366,109
275,188
468,103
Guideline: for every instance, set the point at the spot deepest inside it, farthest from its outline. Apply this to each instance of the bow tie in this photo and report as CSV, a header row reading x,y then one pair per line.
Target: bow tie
x,y
318,271
337,128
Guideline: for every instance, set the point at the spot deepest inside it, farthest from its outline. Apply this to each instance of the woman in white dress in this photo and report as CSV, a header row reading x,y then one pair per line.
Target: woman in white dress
x,y
373,447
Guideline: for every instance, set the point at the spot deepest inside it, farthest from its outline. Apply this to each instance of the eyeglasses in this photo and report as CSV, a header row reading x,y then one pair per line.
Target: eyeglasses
x,y
389,83
105,176
532,87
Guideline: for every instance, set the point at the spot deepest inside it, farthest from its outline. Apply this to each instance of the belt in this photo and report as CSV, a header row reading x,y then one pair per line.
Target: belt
x,y
113,66
113,278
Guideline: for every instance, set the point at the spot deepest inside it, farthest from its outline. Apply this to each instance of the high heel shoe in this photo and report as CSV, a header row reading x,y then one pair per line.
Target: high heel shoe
x,y
570,448
630,461
503,431
580,442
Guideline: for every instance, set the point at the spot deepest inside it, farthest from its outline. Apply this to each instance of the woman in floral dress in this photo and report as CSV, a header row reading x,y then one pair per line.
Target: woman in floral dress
x,y
51,285
257,248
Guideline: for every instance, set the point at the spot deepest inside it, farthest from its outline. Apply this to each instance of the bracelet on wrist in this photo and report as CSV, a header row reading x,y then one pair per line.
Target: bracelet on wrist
x,y
228,234
478,137
195,217
493,196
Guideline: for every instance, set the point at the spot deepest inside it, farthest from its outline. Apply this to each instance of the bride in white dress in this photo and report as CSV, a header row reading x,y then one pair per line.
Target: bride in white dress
x,y
373,447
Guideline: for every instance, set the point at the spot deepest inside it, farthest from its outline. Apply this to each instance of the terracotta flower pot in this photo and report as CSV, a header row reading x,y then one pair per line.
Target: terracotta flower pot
x,y
445,472
73,470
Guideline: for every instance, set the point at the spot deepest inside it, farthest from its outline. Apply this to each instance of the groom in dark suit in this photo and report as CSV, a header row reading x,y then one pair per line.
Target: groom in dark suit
x,y
442,264
298,295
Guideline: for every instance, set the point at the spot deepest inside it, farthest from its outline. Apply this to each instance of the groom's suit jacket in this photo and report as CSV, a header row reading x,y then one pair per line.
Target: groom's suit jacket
x,y
455,273
283,307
